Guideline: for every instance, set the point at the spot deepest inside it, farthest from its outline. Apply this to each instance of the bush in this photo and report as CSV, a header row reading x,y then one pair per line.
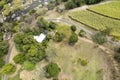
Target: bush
x,y
8,69
73,28
73,38
82,33
19,59
99,38
28,65
52,70
82,62
32,12
58,37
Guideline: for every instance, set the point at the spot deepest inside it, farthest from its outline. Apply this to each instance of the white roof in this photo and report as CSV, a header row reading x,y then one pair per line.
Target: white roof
x,y
40,38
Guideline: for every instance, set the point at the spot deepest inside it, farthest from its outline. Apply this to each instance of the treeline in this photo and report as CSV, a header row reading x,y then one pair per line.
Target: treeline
x,y
70,4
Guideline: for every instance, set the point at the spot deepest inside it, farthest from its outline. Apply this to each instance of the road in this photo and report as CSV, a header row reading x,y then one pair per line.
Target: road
x,y
71,23
8,57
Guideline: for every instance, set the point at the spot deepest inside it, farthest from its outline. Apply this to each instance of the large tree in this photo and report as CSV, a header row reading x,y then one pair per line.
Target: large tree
x,y
8,69
19,59
3,48
52,70
73,38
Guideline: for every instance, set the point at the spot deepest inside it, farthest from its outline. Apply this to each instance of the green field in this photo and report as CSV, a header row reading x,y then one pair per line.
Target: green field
x,y
97,21
111,9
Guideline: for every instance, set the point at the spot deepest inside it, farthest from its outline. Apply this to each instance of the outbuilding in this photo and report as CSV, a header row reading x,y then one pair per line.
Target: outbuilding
x,y
40,38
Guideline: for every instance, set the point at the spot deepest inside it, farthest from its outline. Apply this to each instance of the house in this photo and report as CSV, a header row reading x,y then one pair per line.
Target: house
x,y
40,38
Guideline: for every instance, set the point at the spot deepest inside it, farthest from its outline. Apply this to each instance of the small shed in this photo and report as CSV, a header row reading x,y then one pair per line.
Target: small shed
x,y
40,38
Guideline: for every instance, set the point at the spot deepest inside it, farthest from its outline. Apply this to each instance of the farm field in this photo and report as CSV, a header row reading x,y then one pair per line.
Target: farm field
x,y
111,9
68,57
97,22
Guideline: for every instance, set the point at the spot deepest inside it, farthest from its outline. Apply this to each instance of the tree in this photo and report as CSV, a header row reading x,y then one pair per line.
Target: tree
x,y
58,37
8,69
82,33
52,70
3,48
73,28
73,38
18,38
27,65
52,25
79,2
92,1
99,38
19,59
1,62
42,23
32,11
70,5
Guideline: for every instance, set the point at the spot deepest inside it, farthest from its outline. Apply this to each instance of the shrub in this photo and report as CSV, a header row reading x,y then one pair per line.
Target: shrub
x,y
28,65
8,69
58,37
99,38
32,11
73,28
82,62
73,38
82,33
52,25
19,59
52,70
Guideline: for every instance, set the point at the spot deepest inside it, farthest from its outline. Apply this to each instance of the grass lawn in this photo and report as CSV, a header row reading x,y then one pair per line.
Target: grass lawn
x,y
65,29
111,9
67,58
97,21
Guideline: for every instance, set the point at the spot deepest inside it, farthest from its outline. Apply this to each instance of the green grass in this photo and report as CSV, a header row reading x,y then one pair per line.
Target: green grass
x,y
65,29
97,21
16,77
111,9
67,58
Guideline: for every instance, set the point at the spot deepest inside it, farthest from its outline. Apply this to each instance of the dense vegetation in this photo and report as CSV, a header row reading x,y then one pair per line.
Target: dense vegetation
x,y
70,4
